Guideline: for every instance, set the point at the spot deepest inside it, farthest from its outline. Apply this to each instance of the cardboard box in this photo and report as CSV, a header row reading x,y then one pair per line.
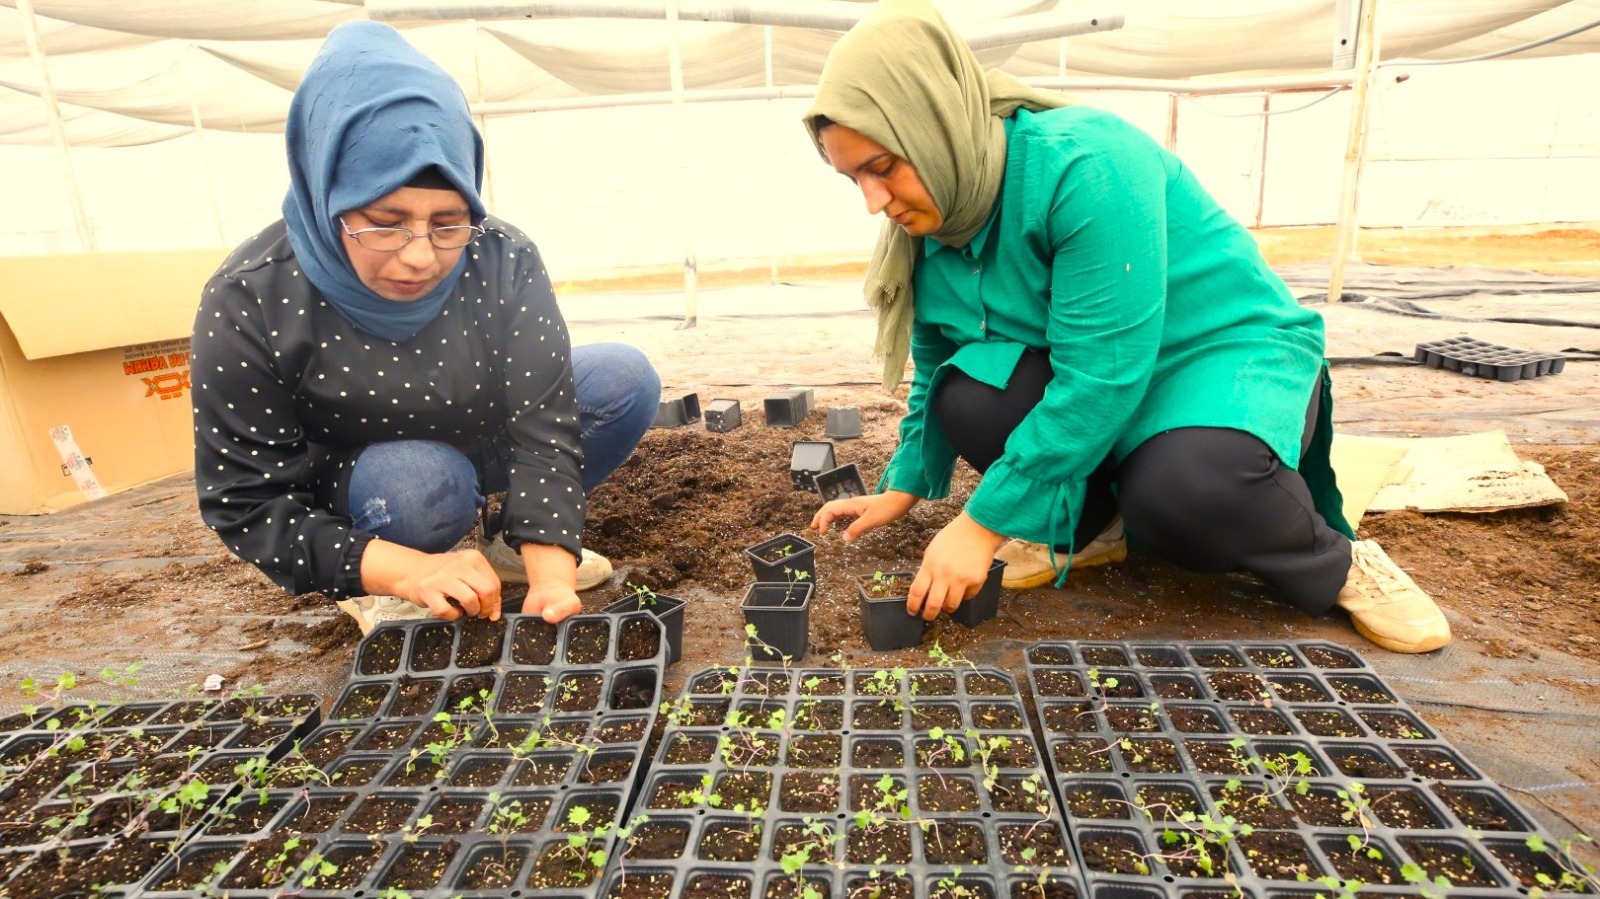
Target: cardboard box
x,y
94,373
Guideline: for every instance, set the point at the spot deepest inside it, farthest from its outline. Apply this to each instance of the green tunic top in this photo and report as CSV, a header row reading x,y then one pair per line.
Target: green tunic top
x,y
1155,306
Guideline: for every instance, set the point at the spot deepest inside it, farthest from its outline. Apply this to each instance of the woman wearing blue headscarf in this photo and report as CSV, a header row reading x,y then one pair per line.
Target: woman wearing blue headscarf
x,y
368,368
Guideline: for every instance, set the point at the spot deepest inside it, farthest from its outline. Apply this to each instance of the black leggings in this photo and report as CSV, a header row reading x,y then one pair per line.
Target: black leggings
x,y
1210,500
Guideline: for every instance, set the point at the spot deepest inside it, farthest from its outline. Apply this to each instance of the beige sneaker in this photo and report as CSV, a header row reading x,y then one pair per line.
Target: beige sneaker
x,y
593,568
1386,605
1028,564
371,611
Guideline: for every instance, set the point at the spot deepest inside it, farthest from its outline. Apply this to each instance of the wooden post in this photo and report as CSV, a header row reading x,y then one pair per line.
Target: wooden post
x,y
1355,147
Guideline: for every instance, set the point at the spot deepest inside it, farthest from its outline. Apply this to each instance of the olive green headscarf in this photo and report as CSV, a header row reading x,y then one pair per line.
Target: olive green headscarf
x,y
904,78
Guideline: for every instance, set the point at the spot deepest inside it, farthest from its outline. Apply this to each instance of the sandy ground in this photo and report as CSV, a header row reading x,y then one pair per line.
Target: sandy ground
x,y
137,578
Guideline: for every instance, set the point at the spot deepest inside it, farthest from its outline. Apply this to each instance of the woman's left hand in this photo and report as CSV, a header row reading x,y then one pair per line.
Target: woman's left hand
x,y
552,602
954,567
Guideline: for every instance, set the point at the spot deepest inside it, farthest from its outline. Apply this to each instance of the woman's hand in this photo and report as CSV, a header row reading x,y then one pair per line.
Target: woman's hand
x,y
869,512
553,602
954,567
446,584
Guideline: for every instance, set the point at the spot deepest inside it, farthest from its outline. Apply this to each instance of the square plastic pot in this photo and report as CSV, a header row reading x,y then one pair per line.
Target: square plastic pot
x,y
799,564
667,609
884,616
986,604
807,459
781,613
787,408
840,483
723,415
676,413
844,423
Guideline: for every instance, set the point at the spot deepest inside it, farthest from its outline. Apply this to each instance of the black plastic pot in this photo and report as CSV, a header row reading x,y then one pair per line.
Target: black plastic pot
x,y
840,483
985,604
844,423
799,564
807,459
676,413
787,408
723,415
883,612
667,609
781,613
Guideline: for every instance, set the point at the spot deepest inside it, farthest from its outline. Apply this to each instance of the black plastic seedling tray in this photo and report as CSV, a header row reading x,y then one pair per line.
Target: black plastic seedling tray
x,y
1475,358
87,783
1271,760
417,790
755,762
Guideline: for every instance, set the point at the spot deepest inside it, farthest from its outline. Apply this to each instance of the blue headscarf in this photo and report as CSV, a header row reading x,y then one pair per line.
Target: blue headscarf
x,y
370,114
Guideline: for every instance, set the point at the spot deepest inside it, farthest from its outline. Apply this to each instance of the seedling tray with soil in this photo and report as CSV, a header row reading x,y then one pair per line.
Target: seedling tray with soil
x,y
89,793
1189,768
903,782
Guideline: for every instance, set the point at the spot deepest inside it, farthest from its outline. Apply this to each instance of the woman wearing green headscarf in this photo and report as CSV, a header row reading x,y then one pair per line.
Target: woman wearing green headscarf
x,y
1092,333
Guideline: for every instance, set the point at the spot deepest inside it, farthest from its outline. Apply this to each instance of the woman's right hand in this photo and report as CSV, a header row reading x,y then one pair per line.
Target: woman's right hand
x,y
433,580
869,512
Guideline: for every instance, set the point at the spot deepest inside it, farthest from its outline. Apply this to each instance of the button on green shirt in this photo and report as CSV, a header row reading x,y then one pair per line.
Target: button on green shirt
x,y
1155,306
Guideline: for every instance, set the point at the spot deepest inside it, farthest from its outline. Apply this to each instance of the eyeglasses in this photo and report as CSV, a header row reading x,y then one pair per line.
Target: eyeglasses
x,y
392,240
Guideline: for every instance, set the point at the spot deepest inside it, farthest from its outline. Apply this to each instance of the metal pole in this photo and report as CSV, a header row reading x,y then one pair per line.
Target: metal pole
x,y
680,127
58,129
1261,173
1355,148
1172,123
802,91
766,41
483,122
212,193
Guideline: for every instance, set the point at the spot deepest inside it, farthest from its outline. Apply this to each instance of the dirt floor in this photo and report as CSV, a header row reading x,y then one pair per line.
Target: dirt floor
x,y
138,575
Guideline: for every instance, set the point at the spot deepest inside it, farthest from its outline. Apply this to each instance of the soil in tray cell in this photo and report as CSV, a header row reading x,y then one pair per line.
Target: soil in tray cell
x,y
533,642
954,843
742,790
1461,865
1329,723
1131,719
640,639
1252,804
886,843
1044,837
1194,720
814,751
877,754
1327,657
881,887
381,653
657,840
1149,756
1050,655
578,692
1113,853
826,715
1402,808
454,815
1362,762
1260,722
988,685
1217,756
1366,861
946,793
380,814
812,841
1272,658
430,648
1050,889
1069,718
1176,686
1013,793
884,792
560,865
928,715
524,694
1479,809
720,886
1092,800
654,885
1083,756
933,683
808,791
1217,658
1101,656
1436,764
492,868
1239,686
730,843
1166,802
1279,855
995,716
415,697
587,642
480,642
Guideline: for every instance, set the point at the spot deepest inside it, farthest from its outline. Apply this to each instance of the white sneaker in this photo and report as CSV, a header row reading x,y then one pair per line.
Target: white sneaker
x,y
593,568
1386,605
1028,564
371,611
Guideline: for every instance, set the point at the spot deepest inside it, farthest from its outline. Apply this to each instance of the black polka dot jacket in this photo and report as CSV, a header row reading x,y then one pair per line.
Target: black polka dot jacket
x,y
286,392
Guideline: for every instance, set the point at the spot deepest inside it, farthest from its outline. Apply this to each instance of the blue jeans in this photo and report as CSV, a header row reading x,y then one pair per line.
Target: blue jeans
x,y
427,495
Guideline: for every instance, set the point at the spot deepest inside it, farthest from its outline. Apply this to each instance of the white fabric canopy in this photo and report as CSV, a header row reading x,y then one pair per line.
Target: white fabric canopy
x,y
129,72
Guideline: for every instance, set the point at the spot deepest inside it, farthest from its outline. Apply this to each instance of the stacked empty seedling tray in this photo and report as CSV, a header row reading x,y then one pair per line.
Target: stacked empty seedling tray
x,y
100,794
459,758
1475,358
1188,768
918,784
